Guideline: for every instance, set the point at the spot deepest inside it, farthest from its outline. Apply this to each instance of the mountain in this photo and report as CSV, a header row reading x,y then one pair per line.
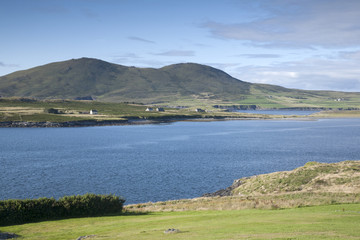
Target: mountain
x,y
186,83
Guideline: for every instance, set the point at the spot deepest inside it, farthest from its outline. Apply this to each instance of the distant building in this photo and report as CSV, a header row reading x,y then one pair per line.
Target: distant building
x,y
199,110
149,109
160,110
93,112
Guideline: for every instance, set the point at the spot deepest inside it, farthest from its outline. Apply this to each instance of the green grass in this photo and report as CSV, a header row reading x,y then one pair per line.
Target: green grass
x,y
313,176
35,111
321,222
25,110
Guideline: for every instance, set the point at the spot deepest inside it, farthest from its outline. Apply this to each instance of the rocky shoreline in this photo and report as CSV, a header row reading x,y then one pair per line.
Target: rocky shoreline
x,y
85,123
91,123
227,191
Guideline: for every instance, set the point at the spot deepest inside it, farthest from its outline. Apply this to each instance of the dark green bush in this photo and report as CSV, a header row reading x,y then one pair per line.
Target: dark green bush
x,y
52,110
31,210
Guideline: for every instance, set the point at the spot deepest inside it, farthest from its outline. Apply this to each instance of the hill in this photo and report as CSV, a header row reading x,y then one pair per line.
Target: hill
x,y
309,185
113,83
178,84
341,177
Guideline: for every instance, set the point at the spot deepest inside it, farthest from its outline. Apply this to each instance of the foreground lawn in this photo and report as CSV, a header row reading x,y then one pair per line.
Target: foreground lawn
x,y
321,222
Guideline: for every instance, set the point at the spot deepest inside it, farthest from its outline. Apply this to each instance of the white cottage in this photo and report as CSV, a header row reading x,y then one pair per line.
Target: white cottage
x,y
93,112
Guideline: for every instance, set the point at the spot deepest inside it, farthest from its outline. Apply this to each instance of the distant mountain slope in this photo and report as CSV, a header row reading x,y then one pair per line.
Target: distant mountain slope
x,y
186,82
106,81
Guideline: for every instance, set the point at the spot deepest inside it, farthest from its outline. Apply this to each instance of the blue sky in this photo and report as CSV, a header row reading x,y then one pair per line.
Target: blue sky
x,y
307,44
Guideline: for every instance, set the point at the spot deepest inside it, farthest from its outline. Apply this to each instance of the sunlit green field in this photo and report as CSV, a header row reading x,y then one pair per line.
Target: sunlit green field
x,y
321,222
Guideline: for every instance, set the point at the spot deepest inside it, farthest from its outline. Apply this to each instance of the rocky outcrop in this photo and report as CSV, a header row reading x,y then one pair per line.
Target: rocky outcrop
x,y
171,230
227,191
7,235
86,237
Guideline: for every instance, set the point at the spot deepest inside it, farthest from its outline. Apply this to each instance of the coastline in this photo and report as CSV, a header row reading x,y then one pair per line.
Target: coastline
x,y
159,120
95,123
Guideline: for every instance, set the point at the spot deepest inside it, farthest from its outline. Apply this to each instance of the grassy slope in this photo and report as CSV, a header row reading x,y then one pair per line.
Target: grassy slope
x,y
322,222
34,111
313,177
179,84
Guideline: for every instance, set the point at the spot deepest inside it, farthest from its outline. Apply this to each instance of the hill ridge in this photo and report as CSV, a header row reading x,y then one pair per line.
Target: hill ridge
x,y
185,83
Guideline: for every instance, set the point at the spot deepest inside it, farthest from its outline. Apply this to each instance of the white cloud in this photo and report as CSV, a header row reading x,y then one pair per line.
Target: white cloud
x,y
311,74
177,53
280,74
140,39
261,55
290,23
2,64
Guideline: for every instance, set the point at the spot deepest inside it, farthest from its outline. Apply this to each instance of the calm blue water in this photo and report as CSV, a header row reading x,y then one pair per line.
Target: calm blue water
x,y
280,112
161,162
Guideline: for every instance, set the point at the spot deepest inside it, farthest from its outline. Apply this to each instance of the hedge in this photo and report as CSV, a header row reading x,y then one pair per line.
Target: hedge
x,y
17,211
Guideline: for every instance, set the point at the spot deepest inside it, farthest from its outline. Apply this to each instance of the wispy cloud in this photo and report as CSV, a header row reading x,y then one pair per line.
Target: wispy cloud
x,y
2,64
177,53
127,55
140,39
306,23
259,55
311,74
127,58
350,55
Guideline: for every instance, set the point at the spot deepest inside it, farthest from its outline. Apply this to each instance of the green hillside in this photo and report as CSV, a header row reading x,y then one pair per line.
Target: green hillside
x,y
185,84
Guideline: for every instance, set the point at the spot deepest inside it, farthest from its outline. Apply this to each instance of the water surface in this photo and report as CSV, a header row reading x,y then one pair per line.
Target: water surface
x,y
165,161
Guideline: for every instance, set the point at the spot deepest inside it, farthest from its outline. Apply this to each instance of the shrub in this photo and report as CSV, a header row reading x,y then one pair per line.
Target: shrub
x,y
29,210
52,110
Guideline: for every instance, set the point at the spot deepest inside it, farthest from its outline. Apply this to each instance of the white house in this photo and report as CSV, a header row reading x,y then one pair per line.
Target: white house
x,y
93,112
149,109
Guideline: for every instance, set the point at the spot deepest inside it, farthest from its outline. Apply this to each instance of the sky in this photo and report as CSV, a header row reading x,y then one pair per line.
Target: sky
x,y
303,44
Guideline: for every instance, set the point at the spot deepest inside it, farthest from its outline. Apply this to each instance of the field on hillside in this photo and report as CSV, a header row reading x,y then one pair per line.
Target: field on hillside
x,y
71,110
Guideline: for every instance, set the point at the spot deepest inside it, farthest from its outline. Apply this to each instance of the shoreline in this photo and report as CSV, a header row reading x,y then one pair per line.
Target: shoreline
x,y
94,123
144,121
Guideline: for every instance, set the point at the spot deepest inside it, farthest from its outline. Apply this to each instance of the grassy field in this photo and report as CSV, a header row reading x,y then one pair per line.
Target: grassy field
x,y
25,110
71,110
321,222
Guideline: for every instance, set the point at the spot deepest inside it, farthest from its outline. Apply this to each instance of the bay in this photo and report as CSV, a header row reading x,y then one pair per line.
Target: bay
x,y
164,161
